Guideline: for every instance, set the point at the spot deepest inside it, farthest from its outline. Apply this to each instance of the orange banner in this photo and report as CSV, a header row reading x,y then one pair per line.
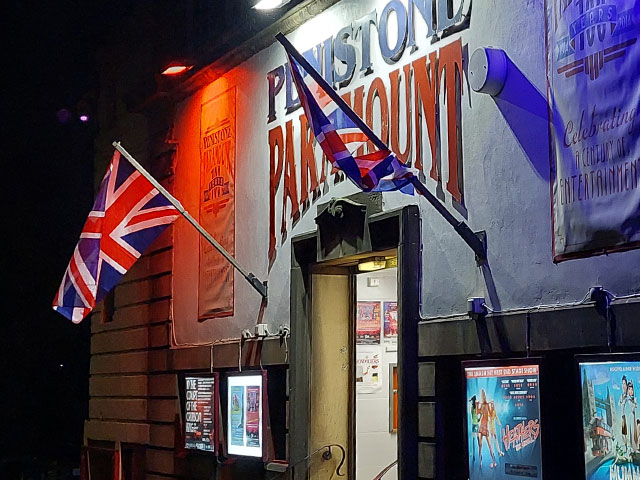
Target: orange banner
x,y
217,204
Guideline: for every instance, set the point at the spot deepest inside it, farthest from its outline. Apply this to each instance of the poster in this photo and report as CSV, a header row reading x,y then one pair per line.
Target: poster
x,y
368,370
368,323
503,422
253,416
245,415
217,204
200,411
390,310
236,415
611,420
593,68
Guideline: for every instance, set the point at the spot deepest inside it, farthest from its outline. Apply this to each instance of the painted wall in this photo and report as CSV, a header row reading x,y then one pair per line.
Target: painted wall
x,y
376,447
505,176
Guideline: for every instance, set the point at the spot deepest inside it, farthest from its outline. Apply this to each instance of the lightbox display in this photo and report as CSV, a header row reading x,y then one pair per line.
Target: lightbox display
x,y
201,407
503,421
245,405
610,418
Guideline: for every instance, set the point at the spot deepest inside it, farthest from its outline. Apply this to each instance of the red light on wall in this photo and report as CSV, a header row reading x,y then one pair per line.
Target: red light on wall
x,y
176,70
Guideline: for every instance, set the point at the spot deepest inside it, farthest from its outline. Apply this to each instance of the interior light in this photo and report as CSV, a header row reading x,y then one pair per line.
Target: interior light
x,y
176,69
269,4
372,264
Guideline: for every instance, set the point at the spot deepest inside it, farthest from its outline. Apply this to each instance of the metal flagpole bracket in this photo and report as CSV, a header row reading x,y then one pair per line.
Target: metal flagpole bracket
x,y
481,256
261,287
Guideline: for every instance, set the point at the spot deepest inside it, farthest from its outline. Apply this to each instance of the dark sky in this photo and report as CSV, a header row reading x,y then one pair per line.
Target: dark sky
x,y
44,358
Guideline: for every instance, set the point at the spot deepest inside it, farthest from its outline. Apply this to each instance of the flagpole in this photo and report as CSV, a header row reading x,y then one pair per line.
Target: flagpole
x,y
475,240
261,287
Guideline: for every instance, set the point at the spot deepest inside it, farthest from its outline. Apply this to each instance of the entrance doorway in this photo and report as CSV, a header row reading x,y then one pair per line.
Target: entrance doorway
x,y
376,379
336,404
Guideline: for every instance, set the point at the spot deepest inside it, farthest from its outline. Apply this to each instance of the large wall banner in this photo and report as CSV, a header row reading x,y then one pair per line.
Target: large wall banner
x,y
217,203
593,62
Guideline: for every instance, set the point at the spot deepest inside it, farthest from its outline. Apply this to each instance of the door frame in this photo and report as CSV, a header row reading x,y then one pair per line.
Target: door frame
x,y
397,229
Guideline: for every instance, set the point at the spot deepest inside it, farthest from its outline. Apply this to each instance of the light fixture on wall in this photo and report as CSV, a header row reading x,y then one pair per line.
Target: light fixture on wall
x,y
270,4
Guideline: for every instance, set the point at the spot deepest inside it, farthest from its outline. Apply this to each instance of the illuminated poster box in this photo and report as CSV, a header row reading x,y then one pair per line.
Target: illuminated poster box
x,y
610,416
200,413
503,419
246,414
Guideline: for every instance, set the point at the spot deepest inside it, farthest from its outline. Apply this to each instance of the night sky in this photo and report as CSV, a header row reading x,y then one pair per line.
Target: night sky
x,y
44,358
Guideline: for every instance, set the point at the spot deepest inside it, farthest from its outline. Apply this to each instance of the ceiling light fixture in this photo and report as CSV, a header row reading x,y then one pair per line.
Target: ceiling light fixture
x,y
173,70
270,4
372,264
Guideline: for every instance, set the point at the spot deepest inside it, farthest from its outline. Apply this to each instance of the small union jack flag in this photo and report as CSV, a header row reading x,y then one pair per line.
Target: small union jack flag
x,y
127,215
340,133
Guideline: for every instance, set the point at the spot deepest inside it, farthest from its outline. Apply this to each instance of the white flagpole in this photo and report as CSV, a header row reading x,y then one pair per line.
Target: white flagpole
x,y
261,287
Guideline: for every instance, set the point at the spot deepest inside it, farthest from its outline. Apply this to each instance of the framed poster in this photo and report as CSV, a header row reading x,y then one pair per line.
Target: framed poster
x,y
390,315
610,415
246,414
201,412
503,419
593,73
368,323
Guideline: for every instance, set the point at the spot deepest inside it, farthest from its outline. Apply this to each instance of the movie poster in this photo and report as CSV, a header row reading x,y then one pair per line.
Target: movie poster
x,y
503,422
593,68
611,420
368,323
253,416
217,204
390,310
200,413
236,415
368,369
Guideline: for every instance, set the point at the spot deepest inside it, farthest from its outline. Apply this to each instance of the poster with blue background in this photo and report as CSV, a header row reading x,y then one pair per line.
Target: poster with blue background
x,y
236,415
610,420
503,422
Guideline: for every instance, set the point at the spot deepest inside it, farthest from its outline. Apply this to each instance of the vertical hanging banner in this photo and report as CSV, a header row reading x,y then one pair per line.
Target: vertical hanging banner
x,y
593,68
217,203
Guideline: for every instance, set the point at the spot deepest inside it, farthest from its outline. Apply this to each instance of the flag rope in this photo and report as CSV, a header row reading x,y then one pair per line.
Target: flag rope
x,y
259,286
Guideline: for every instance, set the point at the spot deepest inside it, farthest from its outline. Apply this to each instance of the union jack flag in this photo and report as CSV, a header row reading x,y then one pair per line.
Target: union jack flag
x,y
340,132
127,215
